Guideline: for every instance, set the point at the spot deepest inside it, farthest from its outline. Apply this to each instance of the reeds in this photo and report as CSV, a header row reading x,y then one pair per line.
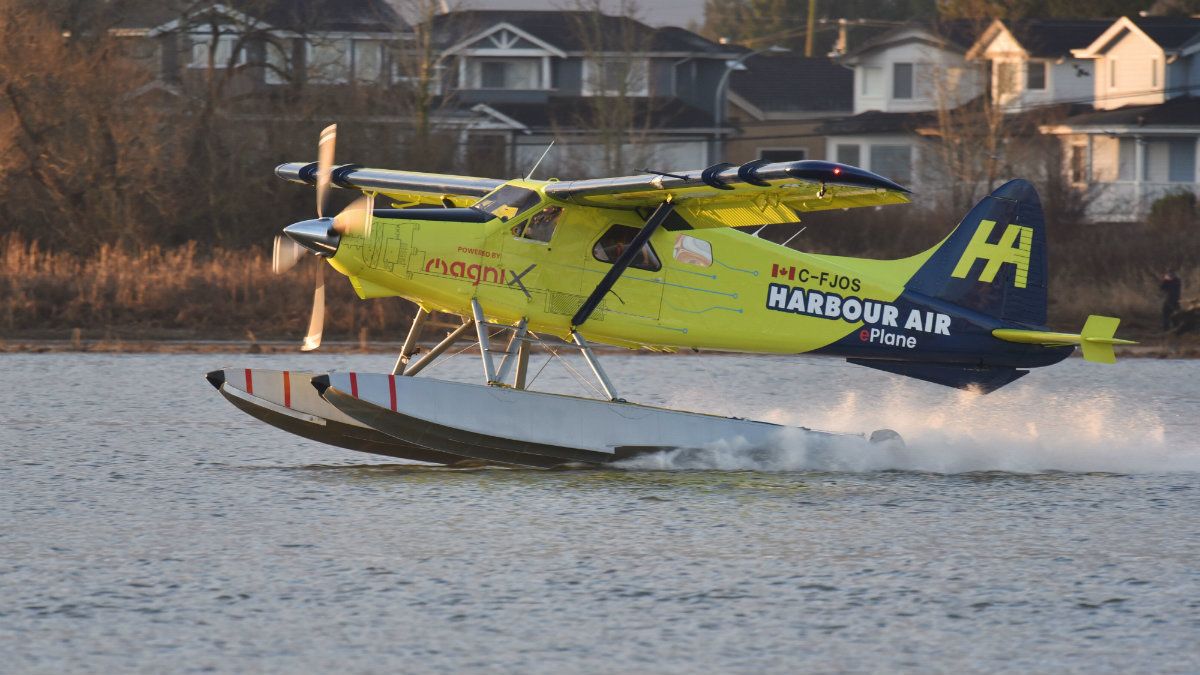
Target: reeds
x,y
159,293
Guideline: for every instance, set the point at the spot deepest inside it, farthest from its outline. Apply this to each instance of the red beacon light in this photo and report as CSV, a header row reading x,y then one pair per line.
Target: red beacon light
x,y
837,170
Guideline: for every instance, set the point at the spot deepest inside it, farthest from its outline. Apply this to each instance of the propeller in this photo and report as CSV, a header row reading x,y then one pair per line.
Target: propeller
x,y
285,254
325,146
316,322
356,218
321,236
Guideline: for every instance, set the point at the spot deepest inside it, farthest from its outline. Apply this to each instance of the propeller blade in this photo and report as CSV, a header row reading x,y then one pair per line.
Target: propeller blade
x,y
356,218
316,324
325,147
285,254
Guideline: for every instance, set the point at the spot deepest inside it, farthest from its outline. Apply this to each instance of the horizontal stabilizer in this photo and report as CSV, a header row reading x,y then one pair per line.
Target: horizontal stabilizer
x,y
1096,340
984,379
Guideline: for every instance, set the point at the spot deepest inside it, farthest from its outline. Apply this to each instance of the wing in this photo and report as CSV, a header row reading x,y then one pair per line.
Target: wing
x,y
404,188
727,195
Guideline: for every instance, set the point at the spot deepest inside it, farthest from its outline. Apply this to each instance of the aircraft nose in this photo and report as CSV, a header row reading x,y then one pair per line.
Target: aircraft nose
x,y
316,235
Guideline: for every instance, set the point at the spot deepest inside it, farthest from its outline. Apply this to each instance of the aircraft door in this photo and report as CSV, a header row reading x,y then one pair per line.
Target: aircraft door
x,y
638,293
540,258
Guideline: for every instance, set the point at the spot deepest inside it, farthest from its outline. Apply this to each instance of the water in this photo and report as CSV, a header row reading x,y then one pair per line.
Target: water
x,y
1051,527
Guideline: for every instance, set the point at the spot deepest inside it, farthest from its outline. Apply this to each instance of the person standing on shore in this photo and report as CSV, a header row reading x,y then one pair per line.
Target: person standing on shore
x,y
1172,288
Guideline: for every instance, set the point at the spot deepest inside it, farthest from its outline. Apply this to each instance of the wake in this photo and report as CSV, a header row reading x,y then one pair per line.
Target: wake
x,y
1023,431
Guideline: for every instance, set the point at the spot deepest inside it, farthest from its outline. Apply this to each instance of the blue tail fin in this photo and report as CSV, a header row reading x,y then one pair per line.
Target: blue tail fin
x,y
995,260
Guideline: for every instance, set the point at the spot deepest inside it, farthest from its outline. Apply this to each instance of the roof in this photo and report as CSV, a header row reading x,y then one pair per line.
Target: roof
x,y
568,31
1049,38
957,34
574,112
876,122
926,122
785,83
1183,111
373,16
1170,33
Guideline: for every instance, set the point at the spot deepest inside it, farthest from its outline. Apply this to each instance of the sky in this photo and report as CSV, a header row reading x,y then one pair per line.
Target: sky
x,y
656,12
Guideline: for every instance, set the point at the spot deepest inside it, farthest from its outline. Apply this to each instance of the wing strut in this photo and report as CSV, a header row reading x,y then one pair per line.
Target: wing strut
x,y
635,248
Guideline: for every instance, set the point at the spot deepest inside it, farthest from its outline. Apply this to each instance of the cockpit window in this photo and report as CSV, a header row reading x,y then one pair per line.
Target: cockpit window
x,y
540,226
508,202
614,242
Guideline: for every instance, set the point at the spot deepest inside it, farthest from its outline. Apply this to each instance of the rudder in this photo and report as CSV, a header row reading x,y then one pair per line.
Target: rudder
x,y
994,262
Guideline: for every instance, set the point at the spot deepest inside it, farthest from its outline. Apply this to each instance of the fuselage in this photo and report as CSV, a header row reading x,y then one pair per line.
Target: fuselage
x,y
712,288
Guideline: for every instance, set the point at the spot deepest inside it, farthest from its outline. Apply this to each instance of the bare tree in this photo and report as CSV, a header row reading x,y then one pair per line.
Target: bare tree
x,y
81,162
618,113
972,138
423,93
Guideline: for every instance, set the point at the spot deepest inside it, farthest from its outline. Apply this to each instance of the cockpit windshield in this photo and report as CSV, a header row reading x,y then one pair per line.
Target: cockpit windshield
x,y
508,202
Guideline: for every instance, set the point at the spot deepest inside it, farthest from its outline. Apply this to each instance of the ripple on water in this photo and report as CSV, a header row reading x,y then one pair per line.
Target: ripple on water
x,y
152,527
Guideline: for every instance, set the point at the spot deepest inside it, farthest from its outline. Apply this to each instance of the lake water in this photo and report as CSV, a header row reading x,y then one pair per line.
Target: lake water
x,y
1054,526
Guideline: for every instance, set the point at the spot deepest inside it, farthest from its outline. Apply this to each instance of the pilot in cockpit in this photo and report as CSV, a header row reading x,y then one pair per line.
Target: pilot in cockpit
x,y
541,224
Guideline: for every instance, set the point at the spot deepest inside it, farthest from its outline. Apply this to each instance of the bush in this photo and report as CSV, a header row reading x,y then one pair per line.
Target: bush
x,y
1177,210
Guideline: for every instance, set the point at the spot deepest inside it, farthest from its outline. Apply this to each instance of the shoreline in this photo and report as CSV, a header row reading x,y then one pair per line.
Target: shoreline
x,y
1180,350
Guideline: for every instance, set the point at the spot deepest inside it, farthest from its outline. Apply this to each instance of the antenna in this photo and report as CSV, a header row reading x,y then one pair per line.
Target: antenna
x,y
535,164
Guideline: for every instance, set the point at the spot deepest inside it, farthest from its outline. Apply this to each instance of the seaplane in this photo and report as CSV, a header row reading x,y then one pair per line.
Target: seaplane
x,y
649,261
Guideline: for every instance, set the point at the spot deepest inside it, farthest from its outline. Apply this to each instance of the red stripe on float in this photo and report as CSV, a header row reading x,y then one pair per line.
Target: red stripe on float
x,y
249,382
354,385
287,389
392,386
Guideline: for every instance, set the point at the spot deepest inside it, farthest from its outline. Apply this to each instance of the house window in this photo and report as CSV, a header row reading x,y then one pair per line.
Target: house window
x,y
1181,160
329,61
848,153
506,74
368,60
892,161
872,80
1112,73
1079,164
1035,75
615,77
222,57
902,80
1153,72
783,154
1127,159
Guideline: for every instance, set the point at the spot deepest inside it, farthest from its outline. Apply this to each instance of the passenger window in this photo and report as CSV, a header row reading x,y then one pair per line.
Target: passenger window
x,y
540,226
614,242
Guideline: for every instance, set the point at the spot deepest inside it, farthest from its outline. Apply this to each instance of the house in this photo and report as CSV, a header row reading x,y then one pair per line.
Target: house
x,y
1140,142
1032,63
259,46
902,77
777,103
614,93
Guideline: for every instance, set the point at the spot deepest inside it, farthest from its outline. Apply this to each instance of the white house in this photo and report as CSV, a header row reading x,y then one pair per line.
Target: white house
x,y
1032,63
1145,60
1141,141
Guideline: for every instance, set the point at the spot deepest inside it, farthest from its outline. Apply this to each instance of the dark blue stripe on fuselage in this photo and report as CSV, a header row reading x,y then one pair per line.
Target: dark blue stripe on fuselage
x,y
969,341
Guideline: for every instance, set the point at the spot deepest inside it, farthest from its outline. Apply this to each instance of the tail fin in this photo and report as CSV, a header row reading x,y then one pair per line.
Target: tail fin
x,y
1096,339
995,260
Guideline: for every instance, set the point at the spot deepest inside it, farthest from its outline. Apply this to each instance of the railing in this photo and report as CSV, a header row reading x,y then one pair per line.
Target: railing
x,y
1129,202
